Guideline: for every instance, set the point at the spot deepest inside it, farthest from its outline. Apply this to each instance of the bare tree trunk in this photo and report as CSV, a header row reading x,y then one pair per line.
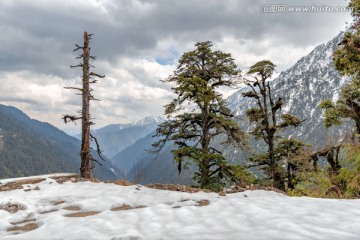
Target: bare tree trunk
x,y
85,135
85,153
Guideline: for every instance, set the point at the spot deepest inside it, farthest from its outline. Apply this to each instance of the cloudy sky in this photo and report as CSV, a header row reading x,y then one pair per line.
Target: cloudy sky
x,y
137,43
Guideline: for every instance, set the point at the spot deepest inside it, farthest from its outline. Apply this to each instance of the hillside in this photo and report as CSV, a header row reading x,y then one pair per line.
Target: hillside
x,y
302,87
114,138
29,147
103,211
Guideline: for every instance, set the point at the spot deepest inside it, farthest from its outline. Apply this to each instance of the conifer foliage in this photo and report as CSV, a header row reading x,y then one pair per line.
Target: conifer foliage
x,y
346,61
87,160
194,127
268,121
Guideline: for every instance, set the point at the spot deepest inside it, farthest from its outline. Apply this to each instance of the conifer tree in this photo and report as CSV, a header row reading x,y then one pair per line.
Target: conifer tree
x,y
268,121
196,81
346,60
87,160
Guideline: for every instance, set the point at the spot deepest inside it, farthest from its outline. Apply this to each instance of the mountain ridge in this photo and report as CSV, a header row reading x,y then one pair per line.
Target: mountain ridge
x,y
302,87
32,147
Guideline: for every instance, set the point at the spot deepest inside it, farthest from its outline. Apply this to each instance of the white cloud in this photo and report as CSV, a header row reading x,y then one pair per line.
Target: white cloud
x,y
132,39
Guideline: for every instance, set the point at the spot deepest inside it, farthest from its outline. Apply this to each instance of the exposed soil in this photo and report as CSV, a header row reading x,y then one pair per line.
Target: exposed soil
x,y
23,221
122,183
12,207
10,186
18,184
82,214
126,207
26,228
236,189
57,203
123,207
49,211
72,208
178,188
202,203
29,181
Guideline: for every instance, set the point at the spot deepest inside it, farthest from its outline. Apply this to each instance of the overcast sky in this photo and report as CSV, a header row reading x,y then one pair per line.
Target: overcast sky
x,y
137,43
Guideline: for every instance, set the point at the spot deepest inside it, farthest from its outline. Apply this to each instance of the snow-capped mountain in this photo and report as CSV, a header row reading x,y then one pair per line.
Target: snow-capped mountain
x,y
302,88
142,122
148,120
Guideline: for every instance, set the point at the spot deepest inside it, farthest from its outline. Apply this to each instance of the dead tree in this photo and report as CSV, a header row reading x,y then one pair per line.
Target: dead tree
x,y
87,161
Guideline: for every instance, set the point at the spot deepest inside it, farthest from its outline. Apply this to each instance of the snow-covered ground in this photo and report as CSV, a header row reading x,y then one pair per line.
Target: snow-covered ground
x,y
137,212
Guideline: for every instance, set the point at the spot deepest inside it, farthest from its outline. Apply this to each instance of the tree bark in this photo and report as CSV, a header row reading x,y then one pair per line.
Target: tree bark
x,y
85,134
205,142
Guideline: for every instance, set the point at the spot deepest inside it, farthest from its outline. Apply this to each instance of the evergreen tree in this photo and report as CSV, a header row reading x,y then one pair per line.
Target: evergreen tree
x,y
199,75
346,60
292,153
268,121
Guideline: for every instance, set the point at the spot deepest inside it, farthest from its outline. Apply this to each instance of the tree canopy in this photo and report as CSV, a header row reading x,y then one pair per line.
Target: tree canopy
x,y
268,121
347,61
199,114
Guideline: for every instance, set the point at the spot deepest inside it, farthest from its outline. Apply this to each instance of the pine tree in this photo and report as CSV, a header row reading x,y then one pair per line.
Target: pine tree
x,y
346,60
196,81
87,160
268,120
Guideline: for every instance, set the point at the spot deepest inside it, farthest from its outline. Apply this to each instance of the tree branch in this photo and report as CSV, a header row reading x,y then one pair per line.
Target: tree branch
x,y
77,47
97,75
70,118
75,88
98,150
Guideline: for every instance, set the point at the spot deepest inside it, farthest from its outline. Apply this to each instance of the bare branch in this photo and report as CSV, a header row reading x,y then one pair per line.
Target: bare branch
x,y
98,150
75,88
77,47
70,118
79,65
97,75
94,99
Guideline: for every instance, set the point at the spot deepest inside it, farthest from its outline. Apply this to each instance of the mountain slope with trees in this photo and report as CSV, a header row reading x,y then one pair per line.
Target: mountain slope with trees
x,y
116,137
302,88
31,147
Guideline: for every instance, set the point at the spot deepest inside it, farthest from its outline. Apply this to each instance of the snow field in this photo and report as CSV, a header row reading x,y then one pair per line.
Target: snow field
x,y
160,214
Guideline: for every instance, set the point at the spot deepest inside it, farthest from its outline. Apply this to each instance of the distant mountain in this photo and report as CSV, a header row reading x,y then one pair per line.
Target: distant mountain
x,y
116,137
302,87
141,166
30,147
